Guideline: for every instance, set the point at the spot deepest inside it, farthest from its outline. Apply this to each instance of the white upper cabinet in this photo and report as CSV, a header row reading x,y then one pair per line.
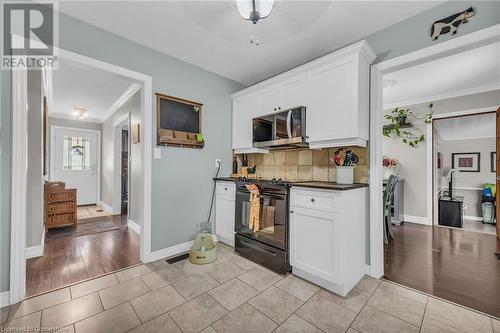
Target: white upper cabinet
x,y
334,89
245,109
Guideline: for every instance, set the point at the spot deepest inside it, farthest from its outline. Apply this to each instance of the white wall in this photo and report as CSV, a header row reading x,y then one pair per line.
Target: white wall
x,y
469,179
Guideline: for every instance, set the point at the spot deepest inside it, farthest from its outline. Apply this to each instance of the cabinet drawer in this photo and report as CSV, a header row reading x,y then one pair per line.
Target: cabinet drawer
x,y
323,200
61,219
225,188
61,207
61,196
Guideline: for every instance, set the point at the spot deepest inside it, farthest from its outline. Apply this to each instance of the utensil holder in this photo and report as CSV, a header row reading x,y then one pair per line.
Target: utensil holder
x,y
345,174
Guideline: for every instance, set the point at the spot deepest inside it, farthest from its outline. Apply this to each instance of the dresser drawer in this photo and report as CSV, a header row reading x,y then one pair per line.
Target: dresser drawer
x,y
315,199
225,188
61,207
61,196
61,219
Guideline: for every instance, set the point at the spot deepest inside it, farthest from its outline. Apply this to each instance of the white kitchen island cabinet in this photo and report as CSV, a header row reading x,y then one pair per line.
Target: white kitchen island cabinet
x,y
328,236
225,196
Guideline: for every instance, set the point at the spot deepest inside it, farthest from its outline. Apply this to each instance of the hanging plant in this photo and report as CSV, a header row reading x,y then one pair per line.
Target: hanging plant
x,y
399,125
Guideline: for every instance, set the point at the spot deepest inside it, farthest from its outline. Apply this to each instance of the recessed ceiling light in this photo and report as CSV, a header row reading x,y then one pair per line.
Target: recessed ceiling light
x,y
388,83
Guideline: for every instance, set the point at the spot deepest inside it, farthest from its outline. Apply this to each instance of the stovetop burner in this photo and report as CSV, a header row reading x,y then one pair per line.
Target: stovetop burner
x,y
276,181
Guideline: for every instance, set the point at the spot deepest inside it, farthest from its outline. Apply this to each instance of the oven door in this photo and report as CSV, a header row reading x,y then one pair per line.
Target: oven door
x,y
273,220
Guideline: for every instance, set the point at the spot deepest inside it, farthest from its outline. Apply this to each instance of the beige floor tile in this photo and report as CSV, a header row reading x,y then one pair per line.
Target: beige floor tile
x,y
354,300
134,272
496,325
94,285
260,278
457,317
39,303
160,264
295,324
368,284
432,326
31,322
371,320
163,277
123,292
326,315
157,302
352,330
209,329
298,287
224,246
225,271
225,254
233,293
400,290
244,319
243,263
4,314
402,307
197,314
116,320
162,323
276,304
70,312
195,285
191,269
68,329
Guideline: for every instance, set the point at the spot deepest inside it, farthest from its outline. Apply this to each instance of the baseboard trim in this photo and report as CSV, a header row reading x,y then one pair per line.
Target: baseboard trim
x,y
367,269
4,298
170,251
36,251
417,219
105,206
134,226
473,218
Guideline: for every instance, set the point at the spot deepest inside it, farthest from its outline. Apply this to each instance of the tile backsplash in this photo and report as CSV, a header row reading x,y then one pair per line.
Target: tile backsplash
x,y
305,164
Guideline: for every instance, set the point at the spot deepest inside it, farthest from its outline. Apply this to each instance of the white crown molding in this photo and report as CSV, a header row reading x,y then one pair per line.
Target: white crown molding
x,y
69,117
439,97
465,112
131,90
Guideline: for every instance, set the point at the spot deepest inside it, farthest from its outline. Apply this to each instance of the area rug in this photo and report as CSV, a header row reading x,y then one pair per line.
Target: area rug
x,y
81,229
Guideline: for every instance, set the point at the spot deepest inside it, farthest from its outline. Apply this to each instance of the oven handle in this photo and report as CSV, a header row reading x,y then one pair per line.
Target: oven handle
x,y
266,195
255,247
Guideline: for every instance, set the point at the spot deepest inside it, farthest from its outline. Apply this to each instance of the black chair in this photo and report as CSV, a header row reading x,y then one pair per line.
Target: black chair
x,y
388,197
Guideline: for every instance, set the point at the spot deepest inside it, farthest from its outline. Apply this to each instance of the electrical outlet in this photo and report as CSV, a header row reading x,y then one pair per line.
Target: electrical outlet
x,y
217,163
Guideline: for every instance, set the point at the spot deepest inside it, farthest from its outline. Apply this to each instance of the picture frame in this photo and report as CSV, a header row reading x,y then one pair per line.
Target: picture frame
x,y
493,161
466,162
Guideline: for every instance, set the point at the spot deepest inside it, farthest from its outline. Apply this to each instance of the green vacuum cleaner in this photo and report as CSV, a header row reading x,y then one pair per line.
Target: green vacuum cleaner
x,y
204,251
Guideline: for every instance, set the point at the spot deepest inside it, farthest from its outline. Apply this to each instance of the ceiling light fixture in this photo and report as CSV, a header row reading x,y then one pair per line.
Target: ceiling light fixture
x,y
81,113
254,11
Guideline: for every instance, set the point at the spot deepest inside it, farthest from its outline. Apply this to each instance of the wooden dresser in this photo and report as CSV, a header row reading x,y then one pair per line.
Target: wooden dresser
x,y
60,205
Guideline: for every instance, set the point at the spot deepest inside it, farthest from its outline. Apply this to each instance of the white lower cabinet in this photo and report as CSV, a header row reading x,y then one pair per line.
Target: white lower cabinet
x,y
225,196
328,236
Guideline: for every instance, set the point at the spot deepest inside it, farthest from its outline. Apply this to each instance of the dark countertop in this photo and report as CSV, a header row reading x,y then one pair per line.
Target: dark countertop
x,y
311,184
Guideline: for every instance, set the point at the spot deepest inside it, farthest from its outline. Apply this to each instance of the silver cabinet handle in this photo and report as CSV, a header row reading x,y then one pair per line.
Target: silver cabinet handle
x,y
291,212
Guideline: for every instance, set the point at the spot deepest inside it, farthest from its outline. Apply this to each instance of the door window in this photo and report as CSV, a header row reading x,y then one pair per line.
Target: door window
x,y
76,153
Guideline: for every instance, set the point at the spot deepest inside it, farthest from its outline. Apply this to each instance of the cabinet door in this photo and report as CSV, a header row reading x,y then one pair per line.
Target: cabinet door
x,y
313,243
330,98
270,99
224,218
293,92
243,113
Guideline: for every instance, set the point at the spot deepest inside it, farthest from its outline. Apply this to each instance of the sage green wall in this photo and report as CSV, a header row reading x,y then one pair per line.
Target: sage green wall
x,y
181,179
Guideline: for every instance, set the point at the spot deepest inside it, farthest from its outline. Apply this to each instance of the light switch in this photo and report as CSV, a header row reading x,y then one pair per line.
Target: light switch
x,y
157,153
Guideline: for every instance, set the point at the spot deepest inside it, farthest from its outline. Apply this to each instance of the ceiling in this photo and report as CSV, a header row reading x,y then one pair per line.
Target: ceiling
x,y
77,85
469,72
212,35
470,127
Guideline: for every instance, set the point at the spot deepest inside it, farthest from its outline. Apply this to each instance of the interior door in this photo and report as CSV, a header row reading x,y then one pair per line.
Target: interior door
x,y
498,172
75,162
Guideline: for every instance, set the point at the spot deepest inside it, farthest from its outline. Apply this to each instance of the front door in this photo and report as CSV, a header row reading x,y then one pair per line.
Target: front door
x,y
75,162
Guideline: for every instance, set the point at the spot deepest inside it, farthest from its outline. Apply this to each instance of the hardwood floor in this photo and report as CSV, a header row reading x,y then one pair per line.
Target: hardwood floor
x,y
456,265
69,260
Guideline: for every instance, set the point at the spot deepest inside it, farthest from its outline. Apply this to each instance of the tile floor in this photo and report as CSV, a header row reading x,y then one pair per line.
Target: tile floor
x,y
91,211
235,295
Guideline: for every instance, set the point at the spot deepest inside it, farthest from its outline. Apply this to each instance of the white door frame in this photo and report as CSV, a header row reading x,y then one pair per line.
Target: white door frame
x,y
117,149
456,45
19,173
98,157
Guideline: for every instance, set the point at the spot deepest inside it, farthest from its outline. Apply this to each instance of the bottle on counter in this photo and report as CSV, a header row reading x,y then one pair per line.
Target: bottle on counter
x,y
235,165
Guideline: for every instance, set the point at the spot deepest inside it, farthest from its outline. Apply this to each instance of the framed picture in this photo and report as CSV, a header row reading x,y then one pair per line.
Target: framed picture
x,y
466,162
493,162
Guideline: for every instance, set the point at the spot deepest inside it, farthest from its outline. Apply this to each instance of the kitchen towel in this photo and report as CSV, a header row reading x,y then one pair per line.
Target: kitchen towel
x,y
254,216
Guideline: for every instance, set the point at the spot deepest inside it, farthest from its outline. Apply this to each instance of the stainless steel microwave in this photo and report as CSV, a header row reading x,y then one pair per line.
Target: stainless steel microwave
x,y
281,130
